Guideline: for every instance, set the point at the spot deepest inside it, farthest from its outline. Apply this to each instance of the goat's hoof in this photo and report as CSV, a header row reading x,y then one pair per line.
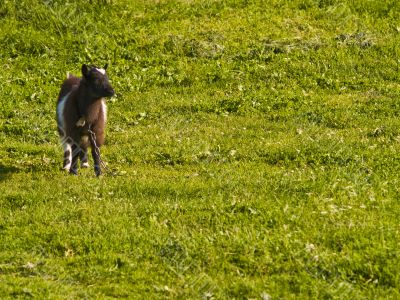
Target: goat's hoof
x,y
85,165
73,172
65,169
97,170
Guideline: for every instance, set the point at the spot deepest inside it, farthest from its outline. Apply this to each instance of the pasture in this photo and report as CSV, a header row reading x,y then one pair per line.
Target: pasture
x,y
253,149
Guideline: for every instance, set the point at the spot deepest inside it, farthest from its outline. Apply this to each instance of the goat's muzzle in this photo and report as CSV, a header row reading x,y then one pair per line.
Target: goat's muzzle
x,y
109,92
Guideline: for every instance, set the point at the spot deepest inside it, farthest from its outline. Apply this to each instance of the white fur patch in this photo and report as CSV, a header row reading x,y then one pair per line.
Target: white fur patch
x,y
104,109
102,71
60,111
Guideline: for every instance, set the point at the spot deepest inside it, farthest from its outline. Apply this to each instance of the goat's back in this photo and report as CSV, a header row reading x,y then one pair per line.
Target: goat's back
x,y
69,84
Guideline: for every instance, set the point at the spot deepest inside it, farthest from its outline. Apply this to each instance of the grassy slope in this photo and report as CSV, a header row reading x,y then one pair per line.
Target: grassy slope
x,y
256,142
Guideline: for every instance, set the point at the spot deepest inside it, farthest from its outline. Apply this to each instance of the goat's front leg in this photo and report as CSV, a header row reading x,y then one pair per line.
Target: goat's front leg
x,y
76,150
84,158
96,160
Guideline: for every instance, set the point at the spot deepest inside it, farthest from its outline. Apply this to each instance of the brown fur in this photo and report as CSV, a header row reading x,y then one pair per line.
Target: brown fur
x,y
80,104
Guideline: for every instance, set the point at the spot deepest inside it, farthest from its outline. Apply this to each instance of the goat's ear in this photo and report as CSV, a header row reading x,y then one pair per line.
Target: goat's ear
x,y
85,70
105,67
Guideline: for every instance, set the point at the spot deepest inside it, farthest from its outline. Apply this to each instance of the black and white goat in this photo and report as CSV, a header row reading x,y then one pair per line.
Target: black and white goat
x,y
81,117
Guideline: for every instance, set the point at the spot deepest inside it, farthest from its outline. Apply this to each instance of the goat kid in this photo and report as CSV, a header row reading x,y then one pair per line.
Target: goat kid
x,y
81,110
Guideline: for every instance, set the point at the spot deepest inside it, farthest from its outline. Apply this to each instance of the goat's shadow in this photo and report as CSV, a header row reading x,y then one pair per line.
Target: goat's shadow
x,y
6,171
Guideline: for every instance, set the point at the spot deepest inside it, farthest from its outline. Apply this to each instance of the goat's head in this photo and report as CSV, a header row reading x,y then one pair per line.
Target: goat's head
x,y
97,81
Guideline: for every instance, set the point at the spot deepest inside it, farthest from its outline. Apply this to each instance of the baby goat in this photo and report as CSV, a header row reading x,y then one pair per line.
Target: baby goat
x,y
81,116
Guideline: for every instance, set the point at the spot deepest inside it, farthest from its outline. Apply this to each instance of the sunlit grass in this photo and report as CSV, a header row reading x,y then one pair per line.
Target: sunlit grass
x,y
254,147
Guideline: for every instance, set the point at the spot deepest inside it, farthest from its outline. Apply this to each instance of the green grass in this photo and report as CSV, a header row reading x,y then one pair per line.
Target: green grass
x,y
256,147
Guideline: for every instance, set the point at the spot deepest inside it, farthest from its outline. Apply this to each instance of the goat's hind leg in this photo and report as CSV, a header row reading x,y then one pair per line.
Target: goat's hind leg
x,y
76,150
67,156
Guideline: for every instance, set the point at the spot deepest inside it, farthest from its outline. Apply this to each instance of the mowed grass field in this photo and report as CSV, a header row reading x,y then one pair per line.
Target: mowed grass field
x,y
254,149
